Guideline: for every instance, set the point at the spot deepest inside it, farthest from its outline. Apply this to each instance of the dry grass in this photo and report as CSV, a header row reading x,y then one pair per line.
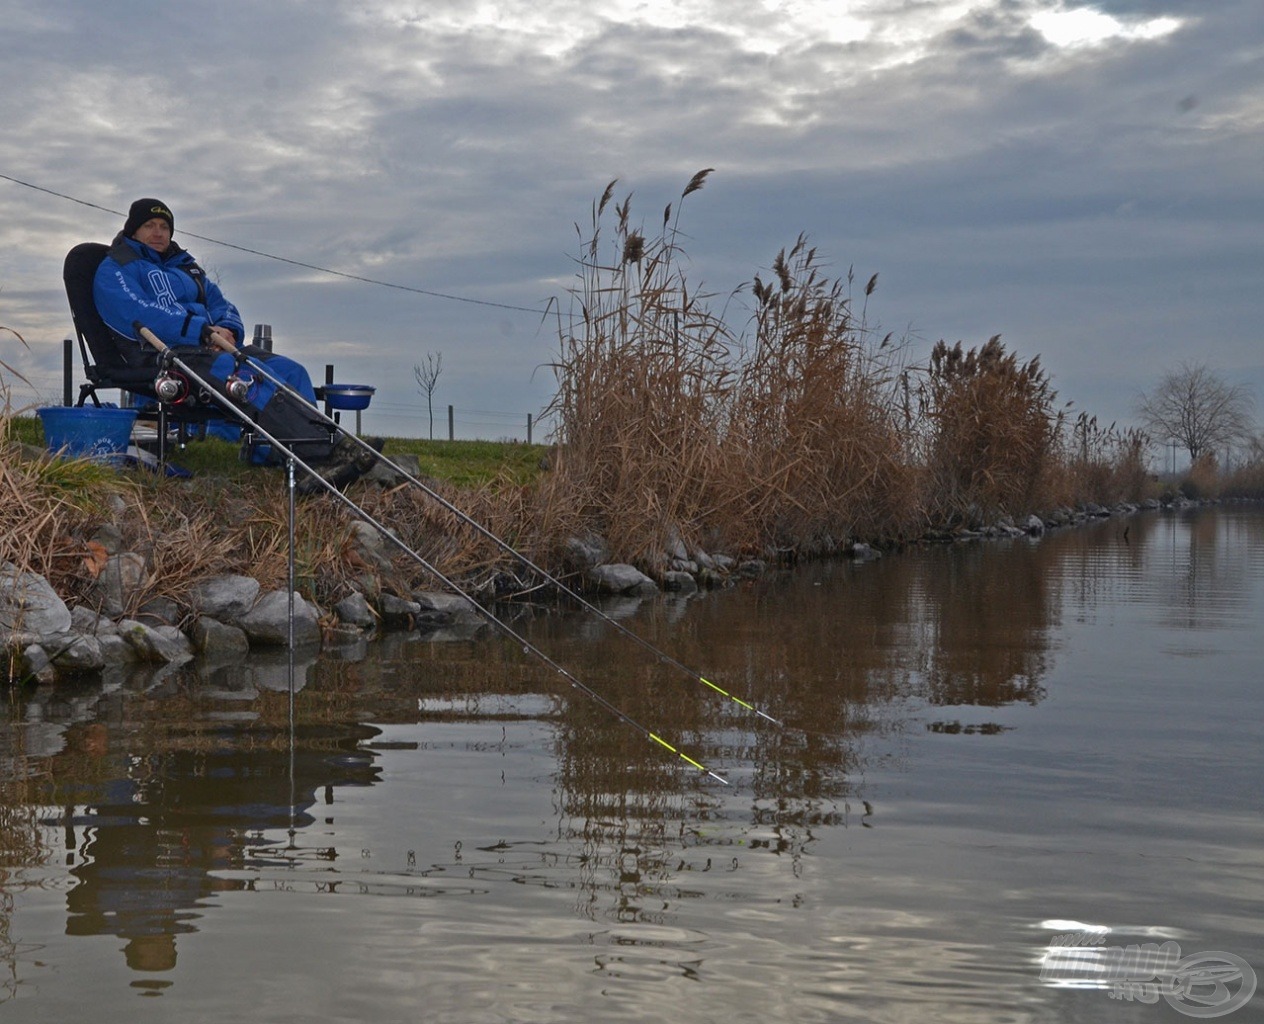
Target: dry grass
x,y
1202,480
673,425
990,434
820,458
193,530
1104,465
1247,479
800,431
42,501
643,385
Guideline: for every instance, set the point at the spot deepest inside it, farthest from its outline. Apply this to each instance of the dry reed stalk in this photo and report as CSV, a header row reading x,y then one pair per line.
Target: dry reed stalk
x,y
991,436
672,425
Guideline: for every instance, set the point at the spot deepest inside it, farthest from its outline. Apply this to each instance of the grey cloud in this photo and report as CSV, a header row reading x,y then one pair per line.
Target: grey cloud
x,y
1076,201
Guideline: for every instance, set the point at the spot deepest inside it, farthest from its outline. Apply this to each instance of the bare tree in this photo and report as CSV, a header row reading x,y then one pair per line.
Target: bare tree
x,y
427,375
1197,409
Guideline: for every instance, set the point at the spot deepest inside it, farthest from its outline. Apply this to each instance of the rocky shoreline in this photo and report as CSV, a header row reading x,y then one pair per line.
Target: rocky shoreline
x,y
226,618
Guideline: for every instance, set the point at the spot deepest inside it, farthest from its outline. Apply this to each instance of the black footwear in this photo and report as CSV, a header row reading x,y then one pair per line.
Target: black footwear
x,y
346,463
364,459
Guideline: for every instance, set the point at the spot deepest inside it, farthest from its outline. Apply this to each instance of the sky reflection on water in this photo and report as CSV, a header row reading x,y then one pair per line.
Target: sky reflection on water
x,y
978,741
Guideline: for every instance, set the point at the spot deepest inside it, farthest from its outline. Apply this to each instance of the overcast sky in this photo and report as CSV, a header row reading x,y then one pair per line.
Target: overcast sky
x,y
1085,181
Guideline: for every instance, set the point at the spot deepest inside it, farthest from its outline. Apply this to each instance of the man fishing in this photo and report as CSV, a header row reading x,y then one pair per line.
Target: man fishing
x,y
148,280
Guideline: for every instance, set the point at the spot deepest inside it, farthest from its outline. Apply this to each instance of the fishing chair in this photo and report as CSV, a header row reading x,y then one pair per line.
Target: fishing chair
x,y
105,368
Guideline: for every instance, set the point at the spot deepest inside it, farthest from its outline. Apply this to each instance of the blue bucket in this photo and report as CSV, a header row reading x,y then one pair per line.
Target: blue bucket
x,y
87,432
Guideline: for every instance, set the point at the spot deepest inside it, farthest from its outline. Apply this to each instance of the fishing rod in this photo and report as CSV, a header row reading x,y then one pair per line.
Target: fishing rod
x,y
167,356
509,549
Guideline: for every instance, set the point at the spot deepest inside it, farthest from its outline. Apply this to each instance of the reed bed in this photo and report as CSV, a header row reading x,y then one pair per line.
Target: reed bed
x,y
814,435
643,385
1246,480
675,428
991,434
800,429
1102,464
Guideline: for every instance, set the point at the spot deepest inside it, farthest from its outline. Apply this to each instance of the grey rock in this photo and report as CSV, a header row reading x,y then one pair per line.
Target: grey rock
x,y
712,579
619,578
386,471
268,621
28,604
218,640
676,547
752,567
355,610
398,612
115,650
1034,525
226,598
91,623
110,537
72,653
151,645
862,552
159,611
454,606
586,552
36,666
680,582
371,545
121,579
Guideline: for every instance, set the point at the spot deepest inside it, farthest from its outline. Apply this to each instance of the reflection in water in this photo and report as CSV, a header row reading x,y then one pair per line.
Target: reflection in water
x,y
484,780
145,845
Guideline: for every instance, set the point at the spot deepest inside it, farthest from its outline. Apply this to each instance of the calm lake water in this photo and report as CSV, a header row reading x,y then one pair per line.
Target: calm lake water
x,y
987,751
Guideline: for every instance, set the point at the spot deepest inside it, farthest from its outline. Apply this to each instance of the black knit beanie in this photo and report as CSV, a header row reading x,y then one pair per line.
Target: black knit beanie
x,y
143,210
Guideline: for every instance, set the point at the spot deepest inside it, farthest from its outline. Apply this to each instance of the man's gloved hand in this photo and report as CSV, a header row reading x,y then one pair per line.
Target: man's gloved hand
x,y
218,337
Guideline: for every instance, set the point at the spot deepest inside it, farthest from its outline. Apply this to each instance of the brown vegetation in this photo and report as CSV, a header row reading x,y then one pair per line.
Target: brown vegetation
x,y
673,426
802,430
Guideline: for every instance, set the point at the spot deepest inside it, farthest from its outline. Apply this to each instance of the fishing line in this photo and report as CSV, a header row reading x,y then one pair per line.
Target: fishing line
x,y
294,461
515,553
293,263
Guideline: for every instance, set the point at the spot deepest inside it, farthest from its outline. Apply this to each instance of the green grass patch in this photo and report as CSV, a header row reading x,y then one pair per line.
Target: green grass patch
x,y
26,429
472,463
462,463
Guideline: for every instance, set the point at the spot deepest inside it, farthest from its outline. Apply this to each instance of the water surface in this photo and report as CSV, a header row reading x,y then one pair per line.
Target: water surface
x,y
984,747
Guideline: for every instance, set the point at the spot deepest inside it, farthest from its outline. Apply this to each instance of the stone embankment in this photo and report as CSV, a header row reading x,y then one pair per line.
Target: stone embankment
x,y
228,616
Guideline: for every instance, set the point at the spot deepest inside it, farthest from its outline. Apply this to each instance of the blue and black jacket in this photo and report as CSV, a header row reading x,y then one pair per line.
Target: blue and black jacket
x,y
166,292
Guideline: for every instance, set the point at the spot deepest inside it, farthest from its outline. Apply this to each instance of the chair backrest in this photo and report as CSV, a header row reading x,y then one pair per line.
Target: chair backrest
x,y
79,274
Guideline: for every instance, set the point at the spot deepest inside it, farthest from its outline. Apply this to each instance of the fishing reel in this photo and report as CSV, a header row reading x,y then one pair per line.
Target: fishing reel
x,y
237,387
171,387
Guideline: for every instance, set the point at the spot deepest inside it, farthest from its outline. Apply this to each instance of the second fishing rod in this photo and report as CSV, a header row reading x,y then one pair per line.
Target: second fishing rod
x,y
168,358
513,552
